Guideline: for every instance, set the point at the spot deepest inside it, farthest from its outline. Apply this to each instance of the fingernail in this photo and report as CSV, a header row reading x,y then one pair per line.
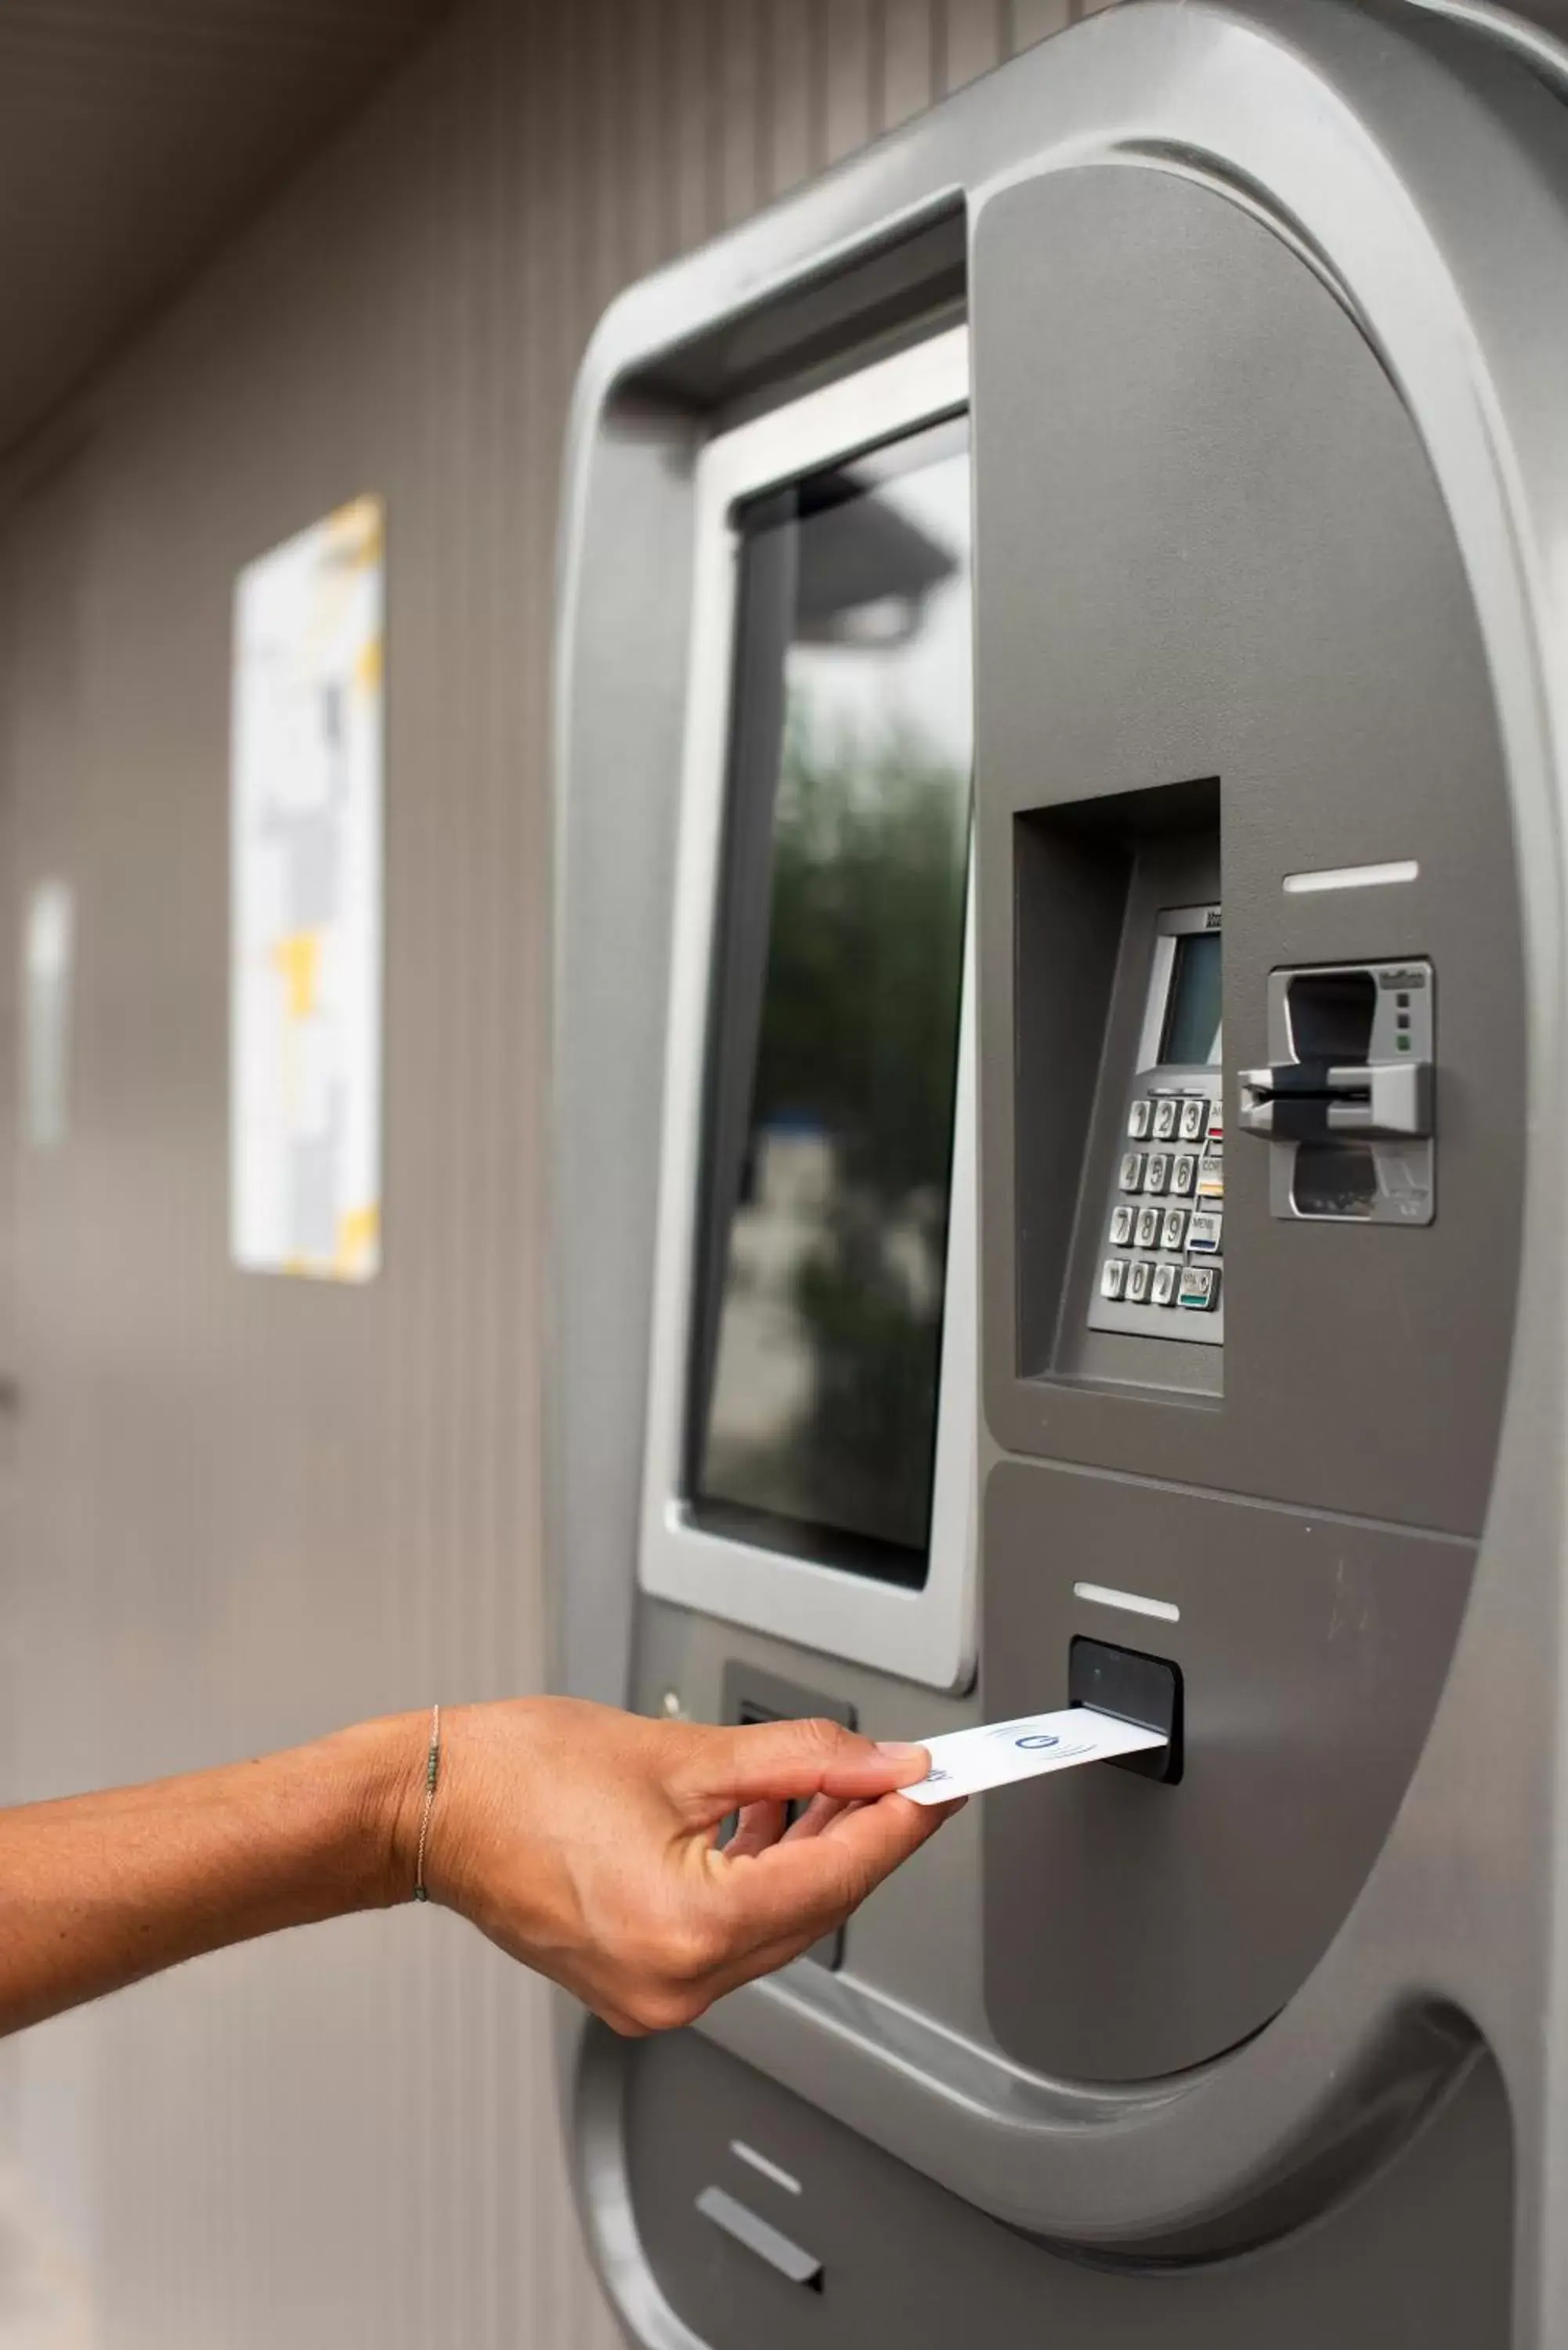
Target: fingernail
x,y
897,1753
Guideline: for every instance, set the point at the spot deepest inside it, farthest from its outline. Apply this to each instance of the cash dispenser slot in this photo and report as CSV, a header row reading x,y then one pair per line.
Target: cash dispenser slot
x,y
769,2243
751,1695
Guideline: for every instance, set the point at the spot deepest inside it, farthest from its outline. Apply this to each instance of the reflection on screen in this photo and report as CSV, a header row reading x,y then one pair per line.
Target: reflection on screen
x,y
1192,1018
833,1043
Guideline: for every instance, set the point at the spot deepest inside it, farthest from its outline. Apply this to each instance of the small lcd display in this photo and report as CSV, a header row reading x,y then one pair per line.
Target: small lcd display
x,y
1191,1038
833,1049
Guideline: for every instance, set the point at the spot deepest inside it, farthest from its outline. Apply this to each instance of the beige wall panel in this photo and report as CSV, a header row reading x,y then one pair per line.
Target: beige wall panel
x,y
136,136
792,39
976,39
740,128
249,1508
1036,20
850,63
10,1091
908,46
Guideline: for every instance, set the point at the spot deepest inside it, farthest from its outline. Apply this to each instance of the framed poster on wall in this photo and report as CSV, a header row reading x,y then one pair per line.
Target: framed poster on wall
x,y
307,903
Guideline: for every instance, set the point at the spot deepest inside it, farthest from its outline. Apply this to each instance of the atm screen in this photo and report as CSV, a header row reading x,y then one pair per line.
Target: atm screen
x,y
1191,1035
833,1030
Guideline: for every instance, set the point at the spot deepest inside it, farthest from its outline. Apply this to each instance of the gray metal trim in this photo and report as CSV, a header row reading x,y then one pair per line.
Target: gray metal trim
x,y
592,2072
1542,51
927,1635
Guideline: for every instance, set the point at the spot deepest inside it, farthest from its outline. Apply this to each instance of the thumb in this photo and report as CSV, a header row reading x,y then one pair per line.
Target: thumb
x,y
782,1761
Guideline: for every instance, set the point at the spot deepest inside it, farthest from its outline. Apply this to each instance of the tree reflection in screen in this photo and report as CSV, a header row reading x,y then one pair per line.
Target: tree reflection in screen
x,y
821,1416
868,881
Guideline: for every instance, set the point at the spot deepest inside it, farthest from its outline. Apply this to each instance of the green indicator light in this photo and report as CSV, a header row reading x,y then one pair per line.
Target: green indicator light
x,y
1403,1043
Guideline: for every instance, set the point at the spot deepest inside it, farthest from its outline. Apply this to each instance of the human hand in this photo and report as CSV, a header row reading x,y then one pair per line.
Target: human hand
x,y
582,1841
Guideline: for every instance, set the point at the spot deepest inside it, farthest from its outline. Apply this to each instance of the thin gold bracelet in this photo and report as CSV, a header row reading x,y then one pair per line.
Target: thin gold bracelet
x,y
432,1771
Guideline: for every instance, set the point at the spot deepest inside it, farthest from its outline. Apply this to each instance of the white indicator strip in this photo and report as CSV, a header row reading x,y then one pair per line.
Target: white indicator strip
x,y
1100,1594
1352,876
760,2162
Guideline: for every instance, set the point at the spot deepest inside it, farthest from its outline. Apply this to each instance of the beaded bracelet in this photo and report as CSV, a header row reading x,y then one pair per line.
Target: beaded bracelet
x,y
433,1771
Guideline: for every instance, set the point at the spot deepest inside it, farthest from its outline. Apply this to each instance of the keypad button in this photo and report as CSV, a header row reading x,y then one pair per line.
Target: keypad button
x,y
1157,1170
1131,1176
1121,1227
1211,1176
1216,1120
1137,1120
1113,1276
1166,1113
1148,1223
1203,1231
1194,1118
1138,1281
1163,1292
1199,1289
1173,1231
1183,1174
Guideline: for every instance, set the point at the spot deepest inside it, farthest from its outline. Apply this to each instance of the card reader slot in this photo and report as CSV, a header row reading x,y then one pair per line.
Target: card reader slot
x,y
1347,1101
1134,1687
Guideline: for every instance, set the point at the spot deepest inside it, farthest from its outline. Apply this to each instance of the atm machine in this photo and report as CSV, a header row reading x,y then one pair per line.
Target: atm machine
x,y
1058,1187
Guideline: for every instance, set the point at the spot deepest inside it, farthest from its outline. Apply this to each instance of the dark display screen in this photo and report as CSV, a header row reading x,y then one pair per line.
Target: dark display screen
x,y
1192,1013
834,1034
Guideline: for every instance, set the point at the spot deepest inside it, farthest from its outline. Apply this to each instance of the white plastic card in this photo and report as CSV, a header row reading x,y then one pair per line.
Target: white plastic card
x,y
967,1762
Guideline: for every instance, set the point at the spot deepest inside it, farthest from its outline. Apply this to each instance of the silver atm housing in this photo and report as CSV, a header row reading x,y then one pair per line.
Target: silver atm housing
x,y
1417,173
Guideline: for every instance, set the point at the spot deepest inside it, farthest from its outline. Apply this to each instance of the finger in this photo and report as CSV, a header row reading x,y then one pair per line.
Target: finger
x,y
843,1813
759,1824
823,1811
790,1759
807,1887
819,1814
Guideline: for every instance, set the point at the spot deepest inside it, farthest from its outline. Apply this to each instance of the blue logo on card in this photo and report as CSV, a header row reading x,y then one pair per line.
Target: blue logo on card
x,y
1036,1740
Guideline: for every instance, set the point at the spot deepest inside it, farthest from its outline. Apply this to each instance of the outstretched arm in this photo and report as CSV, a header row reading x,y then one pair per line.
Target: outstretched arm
x,y
580,1839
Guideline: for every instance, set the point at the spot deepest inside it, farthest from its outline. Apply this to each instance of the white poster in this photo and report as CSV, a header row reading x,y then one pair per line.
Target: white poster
x,y
305,1006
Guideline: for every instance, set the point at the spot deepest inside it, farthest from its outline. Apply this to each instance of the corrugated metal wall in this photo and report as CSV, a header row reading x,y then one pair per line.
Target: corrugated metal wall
x,y
138,136
247,1510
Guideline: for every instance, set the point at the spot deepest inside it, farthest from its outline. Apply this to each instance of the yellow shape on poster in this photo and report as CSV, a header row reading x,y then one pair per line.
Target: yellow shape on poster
x,y
298,957
359,1230
354,531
